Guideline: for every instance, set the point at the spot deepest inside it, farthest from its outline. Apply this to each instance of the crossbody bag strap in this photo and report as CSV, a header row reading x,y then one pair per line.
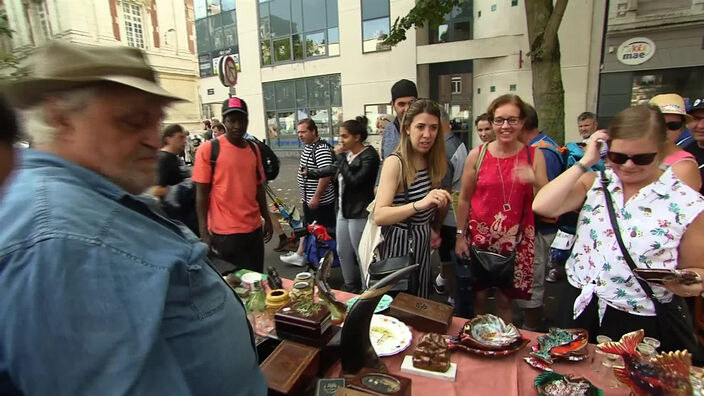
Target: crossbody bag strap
x,y
406,201
614,224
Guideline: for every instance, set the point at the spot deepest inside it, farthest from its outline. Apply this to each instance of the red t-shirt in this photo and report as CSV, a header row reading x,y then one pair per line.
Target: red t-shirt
x,y
233,207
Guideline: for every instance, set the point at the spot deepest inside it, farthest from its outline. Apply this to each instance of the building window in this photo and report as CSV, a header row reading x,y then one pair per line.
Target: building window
x,y
294,30
375,25
133,24
512,87
479,90
378,115
456,85
288,101
479,14
43,14
514,3
492,88
216,34
493,7
457,25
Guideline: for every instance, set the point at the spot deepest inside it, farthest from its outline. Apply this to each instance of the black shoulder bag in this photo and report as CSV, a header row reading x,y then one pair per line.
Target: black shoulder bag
x,y
674,321
379,269
494,269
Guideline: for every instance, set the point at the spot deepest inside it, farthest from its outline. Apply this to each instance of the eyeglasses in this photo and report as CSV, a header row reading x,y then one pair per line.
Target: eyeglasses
x,y
500,121
638,159
674,125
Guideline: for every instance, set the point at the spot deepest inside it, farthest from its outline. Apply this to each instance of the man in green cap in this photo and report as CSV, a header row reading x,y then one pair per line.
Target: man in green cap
x,y
101,295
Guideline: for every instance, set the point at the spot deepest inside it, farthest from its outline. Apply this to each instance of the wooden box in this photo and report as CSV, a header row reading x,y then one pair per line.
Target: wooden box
x,y
422,314
312,330
381,384
290,368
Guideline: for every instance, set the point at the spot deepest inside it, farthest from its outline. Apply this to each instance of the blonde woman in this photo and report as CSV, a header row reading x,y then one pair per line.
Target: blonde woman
x,y
409,190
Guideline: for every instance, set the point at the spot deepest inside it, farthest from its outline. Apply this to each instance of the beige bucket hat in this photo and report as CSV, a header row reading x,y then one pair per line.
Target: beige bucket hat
x,y
60,66
671,104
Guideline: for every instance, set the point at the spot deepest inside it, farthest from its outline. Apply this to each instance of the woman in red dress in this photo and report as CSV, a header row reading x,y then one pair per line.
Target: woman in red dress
x,y
501,195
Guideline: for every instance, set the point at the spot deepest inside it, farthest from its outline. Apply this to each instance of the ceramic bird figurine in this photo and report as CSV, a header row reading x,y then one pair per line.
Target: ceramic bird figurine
x,y
338,310
664,374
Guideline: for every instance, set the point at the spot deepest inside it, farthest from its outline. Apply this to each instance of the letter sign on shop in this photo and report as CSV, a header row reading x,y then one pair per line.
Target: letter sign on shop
x,y
635,51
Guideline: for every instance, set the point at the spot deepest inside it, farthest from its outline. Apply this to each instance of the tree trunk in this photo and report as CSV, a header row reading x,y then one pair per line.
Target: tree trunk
x,y
548,92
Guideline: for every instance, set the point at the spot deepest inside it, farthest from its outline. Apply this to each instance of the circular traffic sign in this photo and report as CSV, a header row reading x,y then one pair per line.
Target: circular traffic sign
x,y
228,71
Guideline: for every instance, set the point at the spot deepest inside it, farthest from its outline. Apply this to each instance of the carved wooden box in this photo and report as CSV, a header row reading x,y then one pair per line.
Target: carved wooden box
x,y
290,368
422,314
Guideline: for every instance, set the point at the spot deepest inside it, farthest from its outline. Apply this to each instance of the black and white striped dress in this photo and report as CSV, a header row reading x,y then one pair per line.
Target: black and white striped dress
x,y
396,241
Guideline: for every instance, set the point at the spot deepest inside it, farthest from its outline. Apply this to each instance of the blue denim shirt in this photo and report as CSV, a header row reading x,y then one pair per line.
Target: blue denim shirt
x,y
101,296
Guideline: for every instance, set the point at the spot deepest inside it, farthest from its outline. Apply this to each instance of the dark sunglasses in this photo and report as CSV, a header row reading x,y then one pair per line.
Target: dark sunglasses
x,y
638,159
674,125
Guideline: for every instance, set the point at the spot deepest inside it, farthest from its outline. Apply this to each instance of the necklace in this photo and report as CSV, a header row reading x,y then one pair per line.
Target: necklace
x,y
507,202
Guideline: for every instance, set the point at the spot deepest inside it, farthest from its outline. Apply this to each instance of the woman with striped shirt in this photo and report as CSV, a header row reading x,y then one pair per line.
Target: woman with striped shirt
x,y
409,190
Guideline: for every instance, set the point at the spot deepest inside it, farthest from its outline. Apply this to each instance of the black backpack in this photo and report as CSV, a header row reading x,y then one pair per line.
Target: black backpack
x,y
269,160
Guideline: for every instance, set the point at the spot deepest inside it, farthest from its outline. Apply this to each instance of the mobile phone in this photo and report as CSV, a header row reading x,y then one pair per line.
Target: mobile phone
x,y
603,147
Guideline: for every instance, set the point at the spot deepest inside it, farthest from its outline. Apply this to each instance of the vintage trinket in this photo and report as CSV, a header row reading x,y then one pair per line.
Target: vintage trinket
x,y
432,353
376,383
554,384
290,368
338,310
421,314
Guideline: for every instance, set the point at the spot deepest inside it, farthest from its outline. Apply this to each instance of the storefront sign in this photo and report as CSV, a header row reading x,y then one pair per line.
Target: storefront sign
x,y
635,51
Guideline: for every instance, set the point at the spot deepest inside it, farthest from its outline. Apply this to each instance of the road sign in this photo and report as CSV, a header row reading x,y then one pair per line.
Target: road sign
x,y
227,70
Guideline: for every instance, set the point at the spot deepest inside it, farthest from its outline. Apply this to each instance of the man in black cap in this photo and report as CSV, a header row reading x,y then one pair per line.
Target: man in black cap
x,y
696,126
403,92
230,197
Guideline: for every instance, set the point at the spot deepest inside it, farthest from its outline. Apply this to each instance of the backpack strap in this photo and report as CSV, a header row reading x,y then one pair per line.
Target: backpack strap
x,y
214,153
256,156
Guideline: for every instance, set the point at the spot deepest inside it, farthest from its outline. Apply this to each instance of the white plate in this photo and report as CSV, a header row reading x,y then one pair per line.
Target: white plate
x,y
388,335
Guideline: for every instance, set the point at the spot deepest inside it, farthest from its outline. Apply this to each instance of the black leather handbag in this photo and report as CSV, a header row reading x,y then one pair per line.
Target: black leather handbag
x,y
674,321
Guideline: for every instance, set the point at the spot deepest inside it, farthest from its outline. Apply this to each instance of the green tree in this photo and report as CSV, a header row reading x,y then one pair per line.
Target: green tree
x,y
543,21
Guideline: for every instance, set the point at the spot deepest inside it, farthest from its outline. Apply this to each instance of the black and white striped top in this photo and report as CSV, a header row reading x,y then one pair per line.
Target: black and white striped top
x,y
315,156
416,191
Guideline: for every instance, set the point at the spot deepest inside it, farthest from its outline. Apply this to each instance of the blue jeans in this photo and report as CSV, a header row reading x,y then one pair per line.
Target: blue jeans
x,y
349,232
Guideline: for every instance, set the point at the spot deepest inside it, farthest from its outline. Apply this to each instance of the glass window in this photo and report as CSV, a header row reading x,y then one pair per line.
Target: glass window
x,y
297,47
332,13
268,90
214,7
203,36
266,52
280,17
314,16
442,35
200,9
296,16
132,14
334,41
322,120
375,25
228,5
315,44
318,91
337,121
287,123
456,85
282,49
373,9
335,90
457,25
285,94
301,93
264,28
461,31
374,113
272,125
216,32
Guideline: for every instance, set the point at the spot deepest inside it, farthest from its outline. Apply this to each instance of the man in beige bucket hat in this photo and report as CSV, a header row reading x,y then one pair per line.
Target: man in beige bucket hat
x,y
101,295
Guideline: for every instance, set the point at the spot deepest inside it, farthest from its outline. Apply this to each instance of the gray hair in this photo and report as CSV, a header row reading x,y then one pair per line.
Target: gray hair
x,y
34,118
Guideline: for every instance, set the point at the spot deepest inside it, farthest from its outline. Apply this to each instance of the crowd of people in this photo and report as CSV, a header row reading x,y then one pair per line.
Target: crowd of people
x,y
106,288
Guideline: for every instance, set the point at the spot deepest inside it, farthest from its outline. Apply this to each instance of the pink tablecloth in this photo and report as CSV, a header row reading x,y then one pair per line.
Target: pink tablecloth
x,y
479,375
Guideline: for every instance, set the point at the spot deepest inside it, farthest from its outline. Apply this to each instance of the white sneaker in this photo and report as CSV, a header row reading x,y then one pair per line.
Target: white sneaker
x,y
293,258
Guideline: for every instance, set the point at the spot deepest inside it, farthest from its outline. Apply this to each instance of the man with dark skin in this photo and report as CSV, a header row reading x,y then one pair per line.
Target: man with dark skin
x,y
230,215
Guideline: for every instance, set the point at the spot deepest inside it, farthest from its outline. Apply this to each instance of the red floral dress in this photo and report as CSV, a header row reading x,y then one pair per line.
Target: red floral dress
x,y
495,215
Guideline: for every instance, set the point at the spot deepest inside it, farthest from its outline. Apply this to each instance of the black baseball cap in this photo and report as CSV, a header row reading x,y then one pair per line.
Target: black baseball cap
x,y
697,104
233,104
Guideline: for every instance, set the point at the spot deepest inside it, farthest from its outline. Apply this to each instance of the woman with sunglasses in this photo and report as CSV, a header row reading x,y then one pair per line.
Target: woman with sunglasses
x,y
409,190
683,163
658,218
494,209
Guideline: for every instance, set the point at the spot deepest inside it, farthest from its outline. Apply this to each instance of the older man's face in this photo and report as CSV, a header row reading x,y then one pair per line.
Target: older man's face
x,y
116,135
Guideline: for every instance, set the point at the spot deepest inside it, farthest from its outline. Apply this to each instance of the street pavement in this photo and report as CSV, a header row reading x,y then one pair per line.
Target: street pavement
x,y
286,188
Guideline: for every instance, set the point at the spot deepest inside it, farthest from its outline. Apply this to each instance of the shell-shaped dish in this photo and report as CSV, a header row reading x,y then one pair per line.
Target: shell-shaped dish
x,y
489,332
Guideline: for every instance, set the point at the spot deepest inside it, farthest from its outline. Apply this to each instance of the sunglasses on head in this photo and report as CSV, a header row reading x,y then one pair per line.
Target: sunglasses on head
x,y
674,125
638,159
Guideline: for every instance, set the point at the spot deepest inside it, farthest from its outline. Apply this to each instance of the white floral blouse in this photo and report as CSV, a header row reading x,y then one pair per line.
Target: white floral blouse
x,y
652,224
